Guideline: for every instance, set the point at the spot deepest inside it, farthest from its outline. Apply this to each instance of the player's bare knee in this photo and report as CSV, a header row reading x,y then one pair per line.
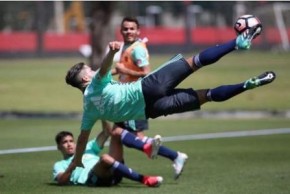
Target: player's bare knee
x,y
117,131
107,159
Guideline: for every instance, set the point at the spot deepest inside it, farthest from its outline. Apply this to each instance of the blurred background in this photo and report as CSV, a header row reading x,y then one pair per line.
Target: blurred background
x,y
49,28
40,40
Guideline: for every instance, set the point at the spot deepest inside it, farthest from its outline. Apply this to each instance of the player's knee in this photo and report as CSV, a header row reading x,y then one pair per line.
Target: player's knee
x,y
107,159
117,131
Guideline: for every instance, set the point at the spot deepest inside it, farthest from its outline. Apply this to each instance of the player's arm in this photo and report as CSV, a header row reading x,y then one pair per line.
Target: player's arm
x,y
108,60
104,134
122,69
81,146
63,178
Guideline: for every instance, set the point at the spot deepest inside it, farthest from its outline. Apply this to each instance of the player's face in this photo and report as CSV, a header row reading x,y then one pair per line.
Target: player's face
x,y
88,73
67,145
129,31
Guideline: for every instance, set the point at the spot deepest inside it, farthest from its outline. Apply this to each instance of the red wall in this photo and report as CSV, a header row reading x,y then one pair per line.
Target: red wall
x,y
17,41
27,41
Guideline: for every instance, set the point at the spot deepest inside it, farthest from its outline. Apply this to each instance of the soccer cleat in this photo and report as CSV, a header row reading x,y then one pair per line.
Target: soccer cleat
x,y
260,80
178,164
156,143
244,40
152,181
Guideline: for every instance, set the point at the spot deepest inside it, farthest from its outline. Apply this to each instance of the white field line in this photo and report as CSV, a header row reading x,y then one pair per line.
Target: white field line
x,y
174,138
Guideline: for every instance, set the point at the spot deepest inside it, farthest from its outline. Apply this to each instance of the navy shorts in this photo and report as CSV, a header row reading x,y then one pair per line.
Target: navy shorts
x,y
134,125
95,181
160,93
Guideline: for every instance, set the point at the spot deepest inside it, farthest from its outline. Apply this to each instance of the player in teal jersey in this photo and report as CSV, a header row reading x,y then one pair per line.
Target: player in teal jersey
x,y
105,170
156,94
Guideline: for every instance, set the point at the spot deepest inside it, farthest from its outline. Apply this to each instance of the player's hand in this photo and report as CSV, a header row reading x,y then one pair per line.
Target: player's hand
x,y
115,46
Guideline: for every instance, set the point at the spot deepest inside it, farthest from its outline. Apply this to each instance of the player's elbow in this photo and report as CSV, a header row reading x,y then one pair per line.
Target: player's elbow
x,y
62,181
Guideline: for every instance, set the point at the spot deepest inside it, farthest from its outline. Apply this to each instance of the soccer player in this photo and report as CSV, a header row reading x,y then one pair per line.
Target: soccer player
x,y
156,94
134,64
105,170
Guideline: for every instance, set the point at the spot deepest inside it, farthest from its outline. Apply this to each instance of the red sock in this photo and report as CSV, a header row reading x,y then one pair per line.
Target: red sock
x,y
147,148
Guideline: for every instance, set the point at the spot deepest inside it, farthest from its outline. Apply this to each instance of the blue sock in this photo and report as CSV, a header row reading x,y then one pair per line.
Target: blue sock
x,y
132,141
126,171
213,54
225,92
167,153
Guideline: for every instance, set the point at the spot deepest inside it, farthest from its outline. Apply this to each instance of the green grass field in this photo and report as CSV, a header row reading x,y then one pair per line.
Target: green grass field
x,y
38,85
258,164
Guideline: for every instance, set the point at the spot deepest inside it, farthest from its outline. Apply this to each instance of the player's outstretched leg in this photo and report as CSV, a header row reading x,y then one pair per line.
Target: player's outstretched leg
x,y
176,70
213,54
130,140
226,92
178,158
124,171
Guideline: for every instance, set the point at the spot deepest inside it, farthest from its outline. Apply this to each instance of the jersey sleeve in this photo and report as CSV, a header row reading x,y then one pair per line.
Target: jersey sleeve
x,y
87,122
105,79
140,56
93,147
57,168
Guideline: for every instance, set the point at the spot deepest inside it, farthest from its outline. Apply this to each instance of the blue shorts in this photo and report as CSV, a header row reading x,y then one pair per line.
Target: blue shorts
x,y
160,93
134,125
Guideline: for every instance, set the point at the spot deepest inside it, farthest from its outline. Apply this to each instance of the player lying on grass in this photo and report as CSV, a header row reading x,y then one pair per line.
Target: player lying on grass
x,y
99,170
156,94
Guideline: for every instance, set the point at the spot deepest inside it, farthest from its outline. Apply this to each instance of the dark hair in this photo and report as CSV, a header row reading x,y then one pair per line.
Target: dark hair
x,y
71,76
61,135
130,19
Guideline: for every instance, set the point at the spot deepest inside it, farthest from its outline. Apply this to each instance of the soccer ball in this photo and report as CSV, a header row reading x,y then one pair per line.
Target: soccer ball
x,y
246,22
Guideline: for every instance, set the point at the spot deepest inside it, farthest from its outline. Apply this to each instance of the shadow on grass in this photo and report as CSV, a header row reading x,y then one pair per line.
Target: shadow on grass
x,y
57,185
125,185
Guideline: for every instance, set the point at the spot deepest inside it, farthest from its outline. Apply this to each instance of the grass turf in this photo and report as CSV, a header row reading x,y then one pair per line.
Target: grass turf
x,y
237,165
39,85
227,165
